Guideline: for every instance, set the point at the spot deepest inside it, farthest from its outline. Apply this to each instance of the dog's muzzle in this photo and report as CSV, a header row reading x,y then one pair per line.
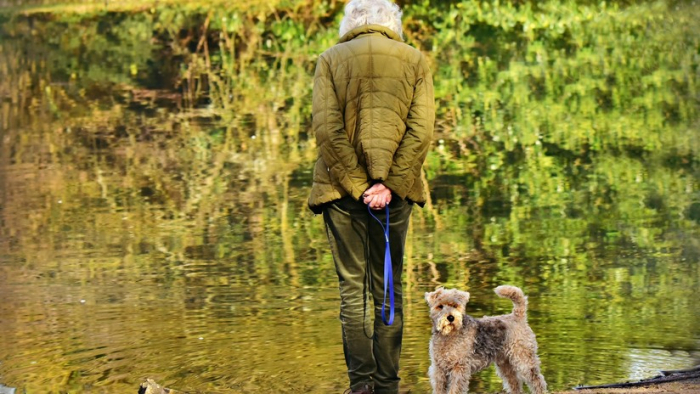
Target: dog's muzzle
x,y
448,322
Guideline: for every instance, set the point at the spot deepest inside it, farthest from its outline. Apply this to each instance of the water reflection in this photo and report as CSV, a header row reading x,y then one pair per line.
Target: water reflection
x,y
140,237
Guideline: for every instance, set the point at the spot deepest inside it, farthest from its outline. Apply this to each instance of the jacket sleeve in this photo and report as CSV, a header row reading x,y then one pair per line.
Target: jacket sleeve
x,y
415,144
332,140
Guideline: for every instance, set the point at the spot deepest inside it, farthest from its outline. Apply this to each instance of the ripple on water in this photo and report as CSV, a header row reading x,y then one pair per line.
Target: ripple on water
x,y
184,336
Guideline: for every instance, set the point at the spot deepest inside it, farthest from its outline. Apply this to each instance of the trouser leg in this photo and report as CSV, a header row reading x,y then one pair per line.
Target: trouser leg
x,y
387,339
346,227
357,241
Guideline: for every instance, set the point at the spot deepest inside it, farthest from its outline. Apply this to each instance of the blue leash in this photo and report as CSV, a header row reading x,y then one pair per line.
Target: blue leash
x,y
388,271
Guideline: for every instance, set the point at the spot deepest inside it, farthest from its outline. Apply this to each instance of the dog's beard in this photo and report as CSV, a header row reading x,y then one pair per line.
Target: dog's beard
x,y
445,326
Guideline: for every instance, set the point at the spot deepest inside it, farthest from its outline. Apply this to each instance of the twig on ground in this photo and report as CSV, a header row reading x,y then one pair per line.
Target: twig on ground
x,y
665,377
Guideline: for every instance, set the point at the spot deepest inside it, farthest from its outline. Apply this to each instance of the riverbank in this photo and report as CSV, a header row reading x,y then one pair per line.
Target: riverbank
x,y
683,387
680,382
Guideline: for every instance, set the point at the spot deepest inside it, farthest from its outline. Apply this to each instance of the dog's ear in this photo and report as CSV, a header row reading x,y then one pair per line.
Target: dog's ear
x,y
428,298
432,296
463,297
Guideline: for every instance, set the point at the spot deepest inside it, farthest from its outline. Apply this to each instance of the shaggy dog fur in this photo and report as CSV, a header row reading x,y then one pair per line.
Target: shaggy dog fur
x,y
462,345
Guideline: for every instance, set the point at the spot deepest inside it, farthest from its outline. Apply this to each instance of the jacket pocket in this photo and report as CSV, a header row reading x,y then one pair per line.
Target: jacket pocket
x,y
322,174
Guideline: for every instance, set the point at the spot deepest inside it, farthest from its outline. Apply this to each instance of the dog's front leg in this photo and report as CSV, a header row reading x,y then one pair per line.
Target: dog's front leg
x,y
438,379
459,380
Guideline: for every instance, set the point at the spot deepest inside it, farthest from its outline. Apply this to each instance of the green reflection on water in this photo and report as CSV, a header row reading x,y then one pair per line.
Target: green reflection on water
x,y
153,183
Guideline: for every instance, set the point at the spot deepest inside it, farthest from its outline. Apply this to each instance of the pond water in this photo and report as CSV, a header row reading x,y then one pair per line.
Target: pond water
x,y
142,237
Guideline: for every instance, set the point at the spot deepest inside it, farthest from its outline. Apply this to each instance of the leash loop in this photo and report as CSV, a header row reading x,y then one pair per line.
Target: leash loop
x,y
388,269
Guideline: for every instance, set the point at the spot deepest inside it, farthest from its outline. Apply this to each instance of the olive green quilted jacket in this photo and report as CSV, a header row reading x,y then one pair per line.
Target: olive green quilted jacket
x,y
373,117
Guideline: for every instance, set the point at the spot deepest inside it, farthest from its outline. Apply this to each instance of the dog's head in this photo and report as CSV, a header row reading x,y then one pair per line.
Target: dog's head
x,y
447,309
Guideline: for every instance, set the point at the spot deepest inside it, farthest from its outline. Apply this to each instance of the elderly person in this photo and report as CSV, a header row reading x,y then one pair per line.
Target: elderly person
x,y
373,116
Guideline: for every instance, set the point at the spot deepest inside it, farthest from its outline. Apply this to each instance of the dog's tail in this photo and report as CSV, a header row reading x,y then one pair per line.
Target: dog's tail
x,y
517,296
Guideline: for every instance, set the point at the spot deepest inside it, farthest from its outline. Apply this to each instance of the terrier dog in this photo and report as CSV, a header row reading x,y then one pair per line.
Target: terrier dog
x,y
462,345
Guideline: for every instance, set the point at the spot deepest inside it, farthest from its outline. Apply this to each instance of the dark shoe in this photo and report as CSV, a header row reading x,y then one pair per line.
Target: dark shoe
x,y
366,389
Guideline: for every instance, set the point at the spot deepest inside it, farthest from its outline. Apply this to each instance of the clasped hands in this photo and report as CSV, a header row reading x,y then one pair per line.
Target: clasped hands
x,y
377,196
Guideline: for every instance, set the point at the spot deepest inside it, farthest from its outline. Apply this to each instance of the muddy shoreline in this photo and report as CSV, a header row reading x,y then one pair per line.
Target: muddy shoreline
x,y
680,381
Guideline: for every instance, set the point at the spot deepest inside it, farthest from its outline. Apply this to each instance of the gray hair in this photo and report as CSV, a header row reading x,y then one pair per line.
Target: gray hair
x,y
371,12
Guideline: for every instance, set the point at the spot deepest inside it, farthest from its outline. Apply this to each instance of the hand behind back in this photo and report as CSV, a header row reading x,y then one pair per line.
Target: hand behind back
x,y
377,196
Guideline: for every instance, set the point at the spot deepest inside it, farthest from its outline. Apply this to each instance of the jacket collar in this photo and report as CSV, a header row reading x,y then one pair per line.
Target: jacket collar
x,y
370,29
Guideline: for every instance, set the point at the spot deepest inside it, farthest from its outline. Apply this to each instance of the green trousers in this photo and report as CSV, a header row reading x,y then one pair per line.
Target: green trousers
x,y
371,348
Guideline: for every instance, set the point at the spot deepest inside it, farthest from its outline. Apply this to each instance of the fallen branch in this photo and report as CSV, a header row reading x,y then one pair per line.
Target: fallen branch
x,y
665,377
676,371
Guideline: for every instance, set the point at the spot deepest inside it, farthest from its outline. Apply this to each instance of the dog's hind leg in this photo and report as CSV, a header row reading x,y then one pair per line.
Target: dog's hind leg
x,y
535,381
511,383
527,367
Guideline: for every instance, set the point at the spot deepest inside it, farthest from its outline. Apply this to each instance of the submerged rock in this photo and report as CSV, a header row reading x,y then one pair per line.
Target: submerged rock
x,y
151,387
7,390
